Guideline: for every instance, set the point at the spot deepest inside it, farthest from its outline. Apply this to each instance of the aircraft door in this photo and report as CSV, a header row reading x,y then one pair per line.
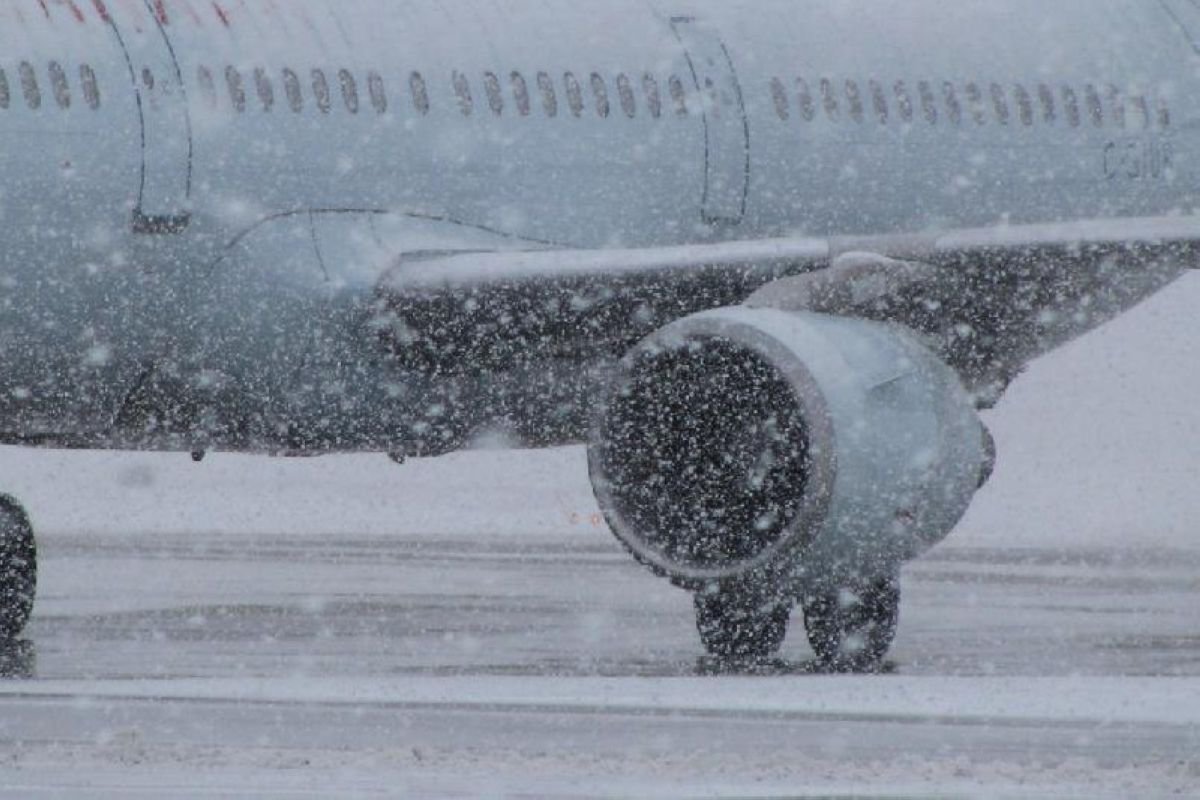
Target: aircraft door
x,y
165,189
726,131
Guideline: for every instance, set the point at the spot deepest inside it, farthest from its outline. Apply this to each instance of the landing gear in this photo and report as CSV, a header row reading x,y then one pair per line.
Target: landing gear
x,y
851,629
740,626
18,569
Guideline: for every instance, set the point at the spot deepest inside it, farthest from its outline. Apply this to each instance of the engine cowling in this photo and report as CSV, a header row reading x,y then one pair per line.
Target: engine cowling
x,y
808,448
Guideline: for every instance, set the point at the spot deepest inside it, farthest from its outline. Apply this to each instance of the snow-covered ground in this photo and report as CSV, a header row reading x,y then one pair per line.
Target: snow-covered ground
x,y
465,627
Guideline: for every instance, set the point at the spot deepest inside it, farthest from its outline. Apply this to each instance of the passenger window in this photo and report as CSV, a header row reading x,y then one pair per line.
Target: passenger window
x,y
1094,105
828,99
1141,109
953,107
999,103
804,98
1164,113
29,86
678,96
266,92
378,92
1046,98
879,102
491,86
574,94
653,98
58,82
349,90
1071,106
204,79
975,103
625,92
520,93
5,94
928,102
321,91
904,101
291,88
91,87
779,95
462,88
148,79
854,99
600,90
549,96
237,89
1024,105
420,93
1117,104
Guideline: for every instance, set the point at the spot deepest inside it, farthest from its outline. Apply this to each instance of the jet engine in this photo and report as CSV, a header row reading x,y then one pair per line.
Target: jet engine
x,y
776,456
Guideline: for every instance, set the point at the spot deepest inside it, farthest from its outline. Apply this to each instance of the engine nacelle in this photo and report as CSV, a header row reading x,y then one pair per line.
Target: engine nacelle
x,y
805,448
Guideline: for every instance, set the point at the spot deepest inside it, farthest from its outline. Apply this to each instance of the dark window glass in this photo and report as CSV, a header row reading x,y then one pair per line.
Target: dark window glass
x,y
321,91
600,90
462,88
29,86
1141,110
147,79
208,86
975,103
678,96
420,94
854,100
999,103
491,85
1024,105
349,90
904,101
1046,100
1095,105
237,89
1164,113
653,98
520,93
928,102
91,87
549,96
58,82
1116,102
625,92
378,93
804,96
829,99
574,94
779,95
266,92
5,93
291,88
953,107
879,102
1071,106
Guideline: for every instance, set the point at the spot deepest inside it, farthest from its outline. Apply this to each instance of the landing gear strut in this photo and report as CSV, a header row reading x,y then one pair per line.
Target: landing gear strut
x,y
18,569
851,629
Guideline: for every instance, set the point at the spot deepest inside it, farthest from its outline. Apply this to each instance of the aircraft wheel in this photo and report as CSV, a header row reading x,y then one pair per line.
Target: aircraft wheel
x,y
18,569
851,629
736,625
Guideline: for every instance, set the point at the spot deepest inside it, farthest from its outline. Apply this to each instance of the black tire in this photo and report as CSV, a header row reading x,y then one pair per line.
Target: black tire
x,y
736,625
18,569
851,629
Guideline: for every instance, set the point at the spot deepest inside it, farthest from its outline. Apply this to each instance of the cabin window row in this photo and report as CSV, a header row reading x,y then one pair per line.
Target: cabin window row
x,y
572,94
296,90
1099,107
32,86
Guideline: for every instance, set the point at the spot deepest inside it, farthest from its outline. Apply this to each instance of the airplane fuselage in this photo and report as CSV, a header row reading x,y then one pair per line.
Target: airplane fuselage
x,y
199,199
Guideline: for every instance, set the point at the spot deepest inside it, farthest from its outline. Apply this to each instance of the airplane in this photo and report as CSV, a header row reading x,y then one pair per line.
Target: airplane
x,y
767,260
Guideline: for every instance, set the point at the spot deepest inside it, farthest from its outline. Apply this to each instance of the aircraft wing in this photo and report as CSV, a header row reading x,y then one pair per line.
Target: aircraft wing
x,y
989,298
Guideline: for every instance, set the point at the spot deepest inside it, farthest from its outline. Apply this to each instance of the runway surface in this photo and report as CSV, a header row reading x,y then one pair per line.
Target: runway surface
x,y
465,627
